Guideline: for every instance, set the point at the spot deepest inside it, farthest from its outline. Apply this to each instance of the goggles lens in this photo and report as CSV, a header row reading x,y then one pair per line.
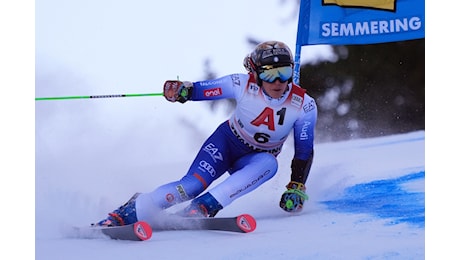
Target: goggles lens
x,y
271,74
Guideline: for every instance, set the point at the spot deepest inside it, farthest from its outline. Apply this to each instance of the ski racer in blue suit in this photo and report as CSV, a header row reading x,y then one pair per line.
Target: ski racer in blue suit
x,y
268,106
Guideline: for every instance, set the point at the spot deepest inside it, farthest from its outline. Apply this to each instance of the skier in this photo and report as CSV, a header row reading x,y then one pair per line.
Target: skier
x,y
268,106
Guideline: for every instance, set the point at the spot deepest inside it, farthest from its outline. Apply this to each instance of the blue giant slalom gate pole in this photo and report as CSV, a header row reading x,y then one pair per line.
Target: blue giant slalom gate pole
x,y
301,26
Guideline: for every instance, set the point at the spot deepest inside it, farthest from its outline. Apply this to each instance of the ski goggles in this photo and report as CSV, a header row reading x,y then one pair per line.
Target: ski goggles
x,y
270,74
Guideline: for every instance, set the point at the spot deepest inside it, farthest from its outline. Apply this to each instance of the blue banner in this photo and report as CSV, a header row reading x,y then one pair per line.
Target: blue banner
x,y
344,22
348,22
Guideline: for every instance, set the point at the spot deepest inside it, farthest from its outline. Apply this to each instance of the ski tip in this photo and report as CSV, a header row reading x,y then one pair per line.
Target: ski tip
x,y
142,230
246,223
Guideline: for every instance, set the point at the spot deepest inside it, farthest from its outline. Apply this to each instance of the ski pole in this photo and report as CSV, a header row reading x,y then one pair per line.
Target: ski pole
x,y
100,96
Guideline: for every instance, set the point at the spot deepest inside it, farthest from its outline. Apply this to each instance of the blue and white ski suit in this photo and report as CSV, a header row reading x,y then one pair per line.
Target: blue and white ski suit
x,y
246,145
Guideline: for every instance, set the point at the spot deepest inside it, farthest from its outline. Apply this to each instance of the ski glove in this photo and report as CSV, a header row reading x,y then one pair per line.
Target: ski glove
x,y
292,199
175,90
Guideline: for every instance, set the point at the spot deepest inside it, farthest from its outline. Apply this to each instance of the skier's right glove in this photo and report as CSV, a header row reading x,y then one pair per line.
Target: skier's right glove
x,y
292,200
175,90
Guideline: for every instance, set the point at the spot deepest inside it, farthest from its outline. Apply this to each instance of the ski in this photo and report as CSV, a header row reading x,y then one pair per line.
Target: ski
x,y
141,231
138,231
243,223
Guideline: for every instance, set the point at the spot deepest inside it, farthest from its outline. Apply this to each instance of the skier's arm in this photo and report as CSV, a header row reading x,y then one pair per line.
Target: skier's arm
x,y
225,87
304,133
293,198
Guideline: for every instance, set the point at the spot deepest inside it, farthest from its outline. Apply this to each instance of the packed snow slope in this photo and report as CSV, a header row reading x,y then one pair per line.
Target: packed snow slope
x,y
367,196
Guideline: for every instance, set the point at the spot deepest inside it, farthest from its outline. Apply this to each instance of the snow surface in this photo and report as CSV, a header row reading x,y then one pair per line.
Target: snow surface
x,y
367,196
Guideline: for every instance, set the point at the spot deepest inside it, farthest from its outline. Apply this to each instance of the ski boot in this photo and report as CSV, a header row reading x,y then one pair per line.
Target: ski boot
x,y
124,215
205,206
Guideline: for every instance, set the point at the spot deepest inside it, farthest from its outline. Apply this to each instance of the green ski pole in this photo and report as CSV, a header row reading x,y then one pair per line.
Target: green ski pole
x,y
99,96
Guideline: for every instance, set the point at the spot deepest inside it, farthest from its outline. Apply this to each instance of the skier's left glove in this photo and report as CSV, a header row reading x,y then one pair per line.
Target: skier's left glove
x,y
175,90
292,200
